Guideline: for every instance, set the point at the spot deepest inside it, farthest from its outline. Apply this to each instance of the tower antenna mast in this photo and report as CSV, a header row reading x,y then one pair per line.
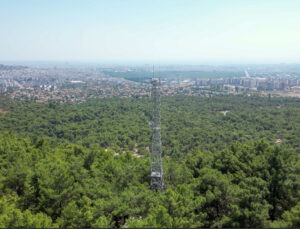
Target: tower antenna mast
x,y
156,152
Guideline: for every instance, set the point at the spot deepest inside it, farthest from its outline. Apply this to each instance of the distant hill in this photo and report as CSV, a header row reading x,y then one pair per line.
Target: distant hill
x,y
12,67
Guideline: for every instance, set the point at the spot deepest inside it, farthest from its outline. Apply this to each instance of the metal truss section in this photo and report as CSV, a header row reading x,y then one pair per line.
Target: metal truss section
x,y
156,153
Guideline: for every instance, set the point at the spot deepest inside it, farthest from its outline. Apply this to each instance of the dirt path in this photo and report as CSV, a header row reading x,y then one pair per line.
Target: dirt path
x,y
224,112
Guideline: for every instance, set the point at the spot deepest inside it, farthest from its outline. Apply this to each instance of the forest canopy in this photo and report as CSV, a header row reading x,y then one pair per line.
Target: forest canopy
x,y
88,165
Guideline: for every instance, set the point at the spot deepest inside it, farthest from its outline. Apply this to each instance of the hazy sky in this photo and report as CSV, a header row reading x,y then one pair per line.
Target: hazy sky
x,y
196,31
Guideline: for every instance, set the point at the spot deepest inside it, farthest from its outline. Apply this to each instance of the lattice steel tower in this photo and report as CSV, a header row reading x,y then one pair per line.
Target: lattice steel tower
x,y
156,161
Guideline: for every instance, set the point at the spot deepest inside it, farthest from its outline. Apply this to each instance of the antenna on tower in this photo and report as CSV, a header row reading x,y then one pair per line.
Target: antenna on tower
x,y
153,71
156,182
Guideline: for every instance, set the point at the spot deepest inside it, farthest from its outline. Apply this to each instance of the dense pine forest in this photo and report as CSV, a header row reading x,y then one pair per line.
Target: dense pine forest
x,y
229,161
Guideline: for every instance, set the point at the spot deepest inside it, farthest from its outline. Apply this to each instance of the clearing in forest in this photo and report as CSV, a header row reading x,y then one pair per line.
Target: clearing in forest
x,y
3,111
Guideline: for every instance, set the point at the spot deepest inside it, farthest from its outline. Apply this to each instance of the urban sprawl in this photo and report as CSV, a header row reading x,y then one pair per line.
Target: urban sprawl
x,y
76,84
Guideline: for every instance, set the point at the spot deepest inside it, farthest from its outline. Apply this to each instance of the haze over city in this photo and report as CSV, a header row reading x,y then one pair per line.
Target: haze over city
x,y
134,31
